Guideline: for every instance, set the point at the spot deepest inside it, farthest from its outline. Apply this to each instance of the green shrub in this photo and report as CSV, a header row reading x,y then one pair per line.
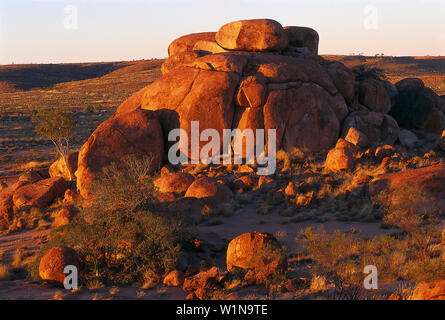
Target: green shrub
x,y
120,238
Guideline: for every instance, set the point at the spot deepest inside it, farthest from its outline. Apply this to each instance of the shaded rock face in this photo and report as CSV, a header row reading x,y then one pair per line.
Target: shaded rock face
x,y
417,106
427,183
377,127
251,88
137,132
373,95
303,37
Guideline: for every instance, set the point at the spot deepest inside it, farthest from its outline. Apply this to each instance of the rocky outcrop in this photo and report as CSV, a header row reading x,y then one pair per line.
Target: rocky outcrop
x,y
304,100
373,95
137,132
302,40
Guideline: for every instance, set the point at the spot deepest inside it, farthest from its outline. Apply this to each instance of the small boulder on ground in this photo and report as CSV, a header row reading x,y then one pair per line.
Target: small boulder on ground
x,y
385,151
356,137
203,280
210,189
39,194
340,159
258,252
65,169
174,279
53,263
30,176
174,182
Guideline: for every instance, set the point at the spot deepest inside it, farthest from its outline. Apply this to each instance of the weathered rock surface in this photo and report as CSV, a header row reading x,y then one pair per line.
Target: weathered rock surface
x,y
340,159
208,188
303,37
373,95
252,35
417,106
257,251
54,261
187,43
137,132
39,194
174,182
376,126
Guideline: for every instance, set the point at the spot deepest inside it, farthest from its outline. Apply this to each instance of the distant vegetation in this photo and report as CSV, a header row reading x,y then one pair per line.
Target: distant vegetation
x,y
364,72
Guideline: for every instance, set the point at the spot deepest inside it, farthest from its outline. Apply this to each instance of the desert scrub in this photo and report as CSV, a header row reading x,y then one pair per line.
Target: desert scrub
x,y
120,237
341,258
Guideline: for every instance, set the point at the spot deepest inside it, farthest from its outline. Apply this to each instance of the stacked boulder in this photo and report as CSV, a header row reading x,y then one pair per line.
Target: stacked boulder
x,y
258,75
251,74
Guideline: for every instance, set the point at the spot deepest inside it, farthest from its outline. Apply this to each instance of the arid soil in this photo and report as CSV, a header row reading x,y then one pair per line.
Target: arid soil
x,y
92,93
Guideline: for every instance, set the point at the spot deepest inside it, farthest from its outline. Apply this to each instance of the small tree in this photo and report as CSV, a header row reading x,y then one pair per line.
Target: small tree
x,y
57,126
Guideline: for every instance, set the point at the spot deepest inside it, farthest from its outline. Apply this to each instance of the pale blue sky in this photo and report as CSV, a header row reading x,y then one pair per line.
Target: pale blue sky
x,y
112,30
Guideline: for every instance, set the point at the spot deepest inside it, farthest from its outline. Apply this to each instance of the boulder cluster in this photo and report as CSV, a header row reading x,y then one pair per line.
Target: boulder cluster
x,y
254,74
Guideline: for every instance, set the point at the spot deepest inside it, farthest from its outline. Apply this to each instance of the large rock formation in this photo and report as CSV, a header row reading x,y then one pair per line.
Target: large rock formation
x,y
259,83
254,74
417,106
137,132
